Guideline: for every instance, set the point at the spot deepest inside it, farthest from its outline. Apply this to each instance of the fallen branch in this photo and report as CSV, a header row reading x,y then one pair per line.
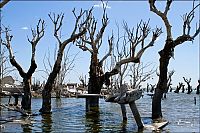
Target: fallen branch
x,y
17,109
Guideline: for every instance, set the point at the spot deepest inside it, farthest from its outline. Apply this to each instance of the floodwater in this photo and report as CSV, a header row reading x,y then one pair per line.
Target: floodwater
x,y
68,115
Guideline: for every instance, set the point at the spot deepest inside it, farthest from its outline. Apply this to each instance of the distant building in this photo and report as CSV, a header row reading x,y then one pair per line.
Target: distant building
x,y
72,85
8,80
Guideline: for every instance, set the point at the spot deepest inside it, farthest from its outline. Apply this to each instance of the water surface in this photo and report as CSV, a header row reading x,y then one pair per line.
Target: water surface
x,y
68,115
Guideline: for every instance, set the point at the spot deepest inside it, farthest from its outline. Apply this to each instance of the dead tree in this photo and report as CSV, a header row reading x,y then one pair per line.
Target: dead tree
x,y
140,75
134,41
6,69
198,87
183,88
168,51
83,82
152,87
78,31
169,80
137,71
121,53
2,4
92,42
147,87
37,34
179,87
189,88
67,65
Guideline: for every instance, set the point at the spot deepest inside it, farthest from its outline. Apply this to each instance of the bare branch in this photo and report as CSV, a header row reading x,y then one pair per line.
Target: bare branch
x,y
110,42
3,3
91,39
57,21
187,19
104,24
11,56
36,36
136,57
167,6
163,15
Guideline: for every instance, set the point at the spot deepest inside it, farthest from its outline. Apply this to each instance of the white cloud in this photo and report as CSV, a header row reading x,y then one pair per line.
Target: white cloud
x,y
24,28
102,4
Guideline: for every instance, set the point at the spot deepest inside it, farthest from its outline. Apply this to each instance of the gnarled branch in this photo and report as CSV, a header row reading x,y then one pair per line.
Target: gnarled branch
x,y
163,15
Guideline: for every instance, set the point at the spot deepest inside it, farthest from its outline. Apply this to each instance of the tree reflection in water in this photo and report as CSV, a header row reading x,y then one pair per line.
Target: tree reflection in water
x,y
46,123
58,102
93,120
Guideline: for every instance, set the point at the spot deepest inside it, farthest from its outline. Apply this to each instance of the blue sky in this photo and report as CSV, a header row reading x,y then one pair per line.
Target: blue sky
x,y
21,16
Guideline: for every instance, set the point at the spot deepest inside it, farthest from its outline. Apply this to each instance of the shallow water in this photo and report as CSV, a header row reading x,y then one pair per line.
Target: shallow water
x,y
68,115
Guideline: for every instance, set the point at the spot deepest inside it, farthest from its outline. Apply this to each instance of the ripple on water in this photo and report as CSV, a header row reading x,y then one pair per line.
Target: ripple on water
x,y
68,115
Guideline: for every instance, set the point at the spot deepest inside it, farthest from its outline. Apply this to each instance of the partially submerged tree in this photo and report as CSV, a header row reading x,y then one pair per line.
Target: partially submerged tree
x,y
179,86
37,34
78,31
67,65
169,80
91,42
198,87
189,88
168,51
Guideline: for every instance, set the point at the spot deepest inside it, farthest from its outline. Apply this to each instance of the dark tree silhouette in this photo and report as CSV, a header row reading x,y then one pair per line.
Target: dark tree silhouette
x,y
189,88
147,87
37,35
183,88
198,87
3,3
169,80
179,87
78,31
66,66
168,51
152,87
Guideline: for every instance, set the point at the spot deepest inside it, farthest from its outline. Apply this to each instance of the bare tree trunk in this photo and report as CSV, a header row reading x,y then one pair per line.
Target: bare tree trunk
x,y
95,84
57,21
46,92
26,98
46,99
168,51
37,35
162,84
